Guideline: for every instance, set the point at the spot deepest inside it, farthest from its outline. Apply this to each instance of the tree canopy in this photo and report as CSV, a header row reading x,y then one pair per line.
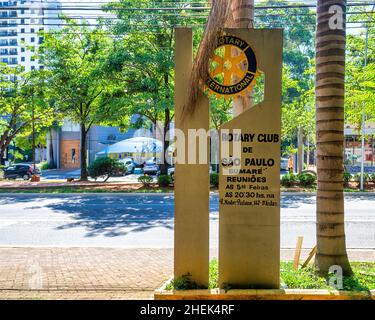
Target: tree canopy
x,y
75,59
22,99
360,80
144,62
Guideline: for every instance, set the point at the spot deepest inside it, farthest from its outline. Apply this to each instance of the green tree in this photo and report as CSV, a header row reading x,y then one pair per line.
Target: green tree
x,y
360,81
298,27
220,111
21,95
298,74
144,59
75,59
147,76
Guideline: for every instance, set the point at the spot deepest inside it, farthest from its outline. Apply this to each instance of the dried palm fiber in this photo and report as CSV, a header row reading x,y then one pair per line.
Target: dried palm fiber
x,y
219,16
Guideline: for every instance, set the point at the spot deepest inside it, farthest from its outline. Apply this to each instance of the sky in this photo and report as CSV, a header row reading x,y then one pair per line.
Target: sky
x,y
83,3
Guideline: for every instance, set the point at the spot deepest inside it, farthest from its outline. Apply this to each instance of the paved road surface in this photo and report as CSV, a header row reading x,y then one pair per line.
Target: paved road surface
x,y
63,174
146,221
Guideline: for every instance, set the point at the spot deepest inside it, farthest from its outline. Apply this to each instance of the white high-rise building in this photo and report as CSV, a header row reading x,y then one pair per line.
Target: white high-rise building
x,y
20,23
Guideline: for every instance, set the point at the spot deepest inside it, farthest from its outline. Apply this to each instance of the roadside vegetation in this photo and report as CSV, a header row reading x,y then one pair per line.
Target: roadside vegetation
x,y
106,167
363,278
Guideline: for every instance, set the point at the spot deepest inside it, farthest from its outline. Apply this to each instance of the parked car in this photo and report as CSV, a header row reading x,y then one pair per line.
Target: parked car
x,y
24,171
284,164
171,172
129,164
150,167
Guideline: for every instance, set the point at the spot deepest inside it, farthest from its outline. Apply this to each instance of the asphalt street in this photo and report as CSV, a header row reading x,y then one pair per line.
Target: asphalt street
x,y
146,221
63,174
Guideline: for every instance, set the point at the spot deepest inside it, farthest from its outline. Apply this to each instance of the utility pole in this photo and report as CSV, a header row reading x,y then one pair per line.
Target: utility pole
x,y
363,110
363,122
308,151
300,156
34,151
34,177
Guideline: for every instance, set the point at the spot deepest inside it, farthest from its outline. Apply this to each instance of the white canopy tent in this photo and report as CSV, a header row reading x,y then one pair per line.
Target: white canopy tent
x,y
138,148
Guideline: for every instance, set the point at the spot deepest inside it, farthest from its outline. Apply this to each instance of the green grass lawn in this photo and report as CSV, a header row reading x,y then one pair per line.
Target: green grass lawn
x,y
362,280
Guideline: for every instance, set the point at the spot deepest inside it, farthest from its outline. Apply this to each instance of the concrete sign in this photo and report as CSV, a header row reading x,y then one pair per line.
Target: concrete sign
x,y
249,222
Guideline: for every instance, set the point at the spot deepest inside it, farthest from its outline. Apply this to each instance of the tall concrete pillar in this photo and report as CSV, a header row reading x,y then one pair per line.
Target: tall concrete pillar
x,y
191,243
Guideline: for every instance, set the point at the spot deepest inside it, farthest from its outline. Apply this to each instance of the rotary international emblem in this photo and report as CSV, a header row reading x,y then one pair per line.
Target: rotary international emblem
x,y
233,68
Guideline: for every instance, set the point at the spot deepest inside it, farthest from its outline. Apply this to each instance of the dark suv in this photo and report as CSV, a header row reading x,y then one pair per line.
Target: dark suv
x,y
24,171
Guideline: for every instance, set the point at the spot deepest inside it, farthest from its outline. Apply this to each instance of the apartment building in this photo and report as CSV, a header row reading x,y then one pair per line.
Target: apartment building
x,y
20,24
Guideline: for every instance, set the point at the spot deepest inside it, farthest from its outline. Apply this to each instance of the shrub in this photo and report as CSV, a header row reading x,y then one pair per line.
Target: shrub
x,y
106,167
183,283
44,166
146,180
310,172
347,178
288,180
357,178
164,180
305,278
372,177
214,179
306,179
213,274
367,178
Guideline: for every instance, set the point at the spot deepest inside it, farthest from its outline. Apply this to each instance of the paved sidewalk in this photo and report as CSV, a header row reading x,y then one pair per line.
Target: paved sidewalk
x,y
96,273
82,272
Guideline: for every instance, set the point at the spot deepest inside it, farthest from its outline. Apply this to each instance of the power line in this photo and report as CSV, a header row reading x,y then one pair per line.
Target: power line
x,y
152,25
92,8
170,15
307,27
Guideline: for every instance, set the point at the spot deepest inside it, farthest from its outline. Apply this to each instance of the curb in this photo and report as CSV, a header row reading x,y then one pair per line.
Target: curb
x,y
264,294
297,194
116,194
346,194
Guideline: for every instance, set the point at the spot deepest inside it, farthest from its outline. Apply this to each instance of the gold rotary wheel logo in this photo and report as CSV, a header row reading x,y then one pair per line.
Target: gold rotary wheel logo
x,y
233,68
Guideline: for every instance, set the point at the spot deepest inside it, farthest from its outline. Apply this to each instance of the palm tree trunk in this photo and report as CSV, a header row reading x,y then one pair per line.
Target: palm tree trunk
x,y
330,90
242,17
243,13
